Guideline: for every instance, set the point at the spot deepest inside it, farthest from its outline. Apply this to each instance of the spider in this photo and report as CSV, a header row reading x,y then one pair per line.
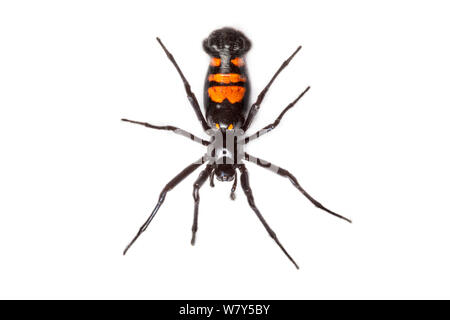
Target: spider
x,y
228,115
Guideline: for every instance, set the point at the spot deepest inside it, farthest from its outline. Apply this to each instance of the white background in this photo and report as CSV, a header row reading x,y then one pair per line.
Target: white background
x,y
369,140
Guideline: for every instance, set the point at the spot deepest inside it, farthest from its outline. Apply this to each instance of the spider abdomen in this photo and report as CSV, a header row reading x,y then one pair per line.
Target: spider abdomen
x,y
227,87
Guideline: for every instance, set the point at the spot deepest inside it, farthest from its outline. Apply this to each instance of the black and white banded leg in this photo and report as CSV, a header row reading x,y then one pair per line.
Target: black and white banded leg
x,y
284,173
248,192
175,130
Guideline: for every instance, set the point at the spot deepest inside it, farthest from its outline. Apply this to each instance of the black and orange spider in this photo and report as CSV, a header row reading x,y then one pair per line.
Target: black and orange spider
x,y
228,115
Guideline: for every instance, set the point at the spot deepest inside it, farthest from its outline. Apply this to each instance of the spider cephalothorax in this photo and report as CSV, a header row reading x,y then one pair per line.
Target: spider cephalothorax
x,y
228,116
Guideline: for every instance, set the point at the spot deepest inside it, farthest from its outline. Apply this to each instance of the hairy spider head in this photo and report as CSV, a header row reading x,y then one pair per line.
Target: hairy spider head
x,y
225,172
226,40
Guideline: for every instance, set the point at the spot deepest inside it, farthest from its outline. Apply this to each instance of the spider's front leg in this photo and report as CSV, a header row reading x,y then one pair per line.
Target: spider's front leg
x,y
172,184
245,183
284,173
197,185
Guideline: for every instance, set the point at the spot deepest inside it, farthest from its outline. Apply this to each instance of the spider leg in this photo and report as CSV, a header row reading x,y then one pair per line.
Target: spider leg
x,y
233,188
173,129
277,121
211,179
248,192
255,106
197,185
284,173
191,96
172,184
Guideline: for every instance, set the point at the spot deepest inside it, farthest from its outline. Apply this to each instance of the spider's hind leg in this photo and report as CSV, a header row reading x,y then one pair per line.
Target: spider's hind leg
x,y
191,96
255,106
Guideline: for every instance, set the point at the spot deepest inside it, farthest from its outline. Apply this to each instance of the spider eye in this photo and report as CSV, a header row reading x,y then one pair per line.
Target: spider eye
x,y
230,127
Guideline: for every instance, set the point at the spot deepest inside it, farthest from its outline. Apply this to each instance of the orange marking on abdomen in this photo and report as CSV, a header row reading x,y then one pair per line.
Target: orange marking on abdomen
x,y
226,78
215,62
232,93
238,62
